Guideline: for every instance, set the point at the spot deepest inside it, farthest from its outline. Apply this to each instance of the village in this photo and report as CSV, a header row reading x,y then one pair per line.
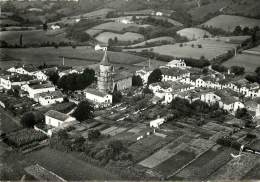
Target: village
x,y
155,112
148,90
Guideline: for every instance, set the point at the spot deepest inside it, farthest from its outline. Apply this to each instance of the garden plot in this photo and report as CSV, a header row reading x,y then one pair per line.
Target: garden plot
x,y
174,163
41,173
236,168
208,162
167,152
112,131
253,173
217,127
145,147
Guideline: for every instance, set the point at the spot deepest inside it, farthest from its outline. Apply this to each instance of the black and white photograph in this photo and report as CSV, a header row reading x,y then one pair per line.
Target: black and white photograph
x,y
130,90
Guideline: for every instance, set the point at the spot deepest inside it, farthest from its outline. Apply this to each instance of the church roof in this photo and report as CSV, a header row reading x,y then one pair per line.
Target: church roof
x,y
105,60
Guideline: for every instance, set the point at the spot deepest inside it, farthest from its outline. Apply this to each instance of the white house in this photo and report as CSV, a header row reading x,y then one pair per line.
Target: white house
x,y
228,101
177,64
7,82
29,70
100,99
174,74
49,98
57,119
156,123
144,74
100,48
34,89
210,98
55,27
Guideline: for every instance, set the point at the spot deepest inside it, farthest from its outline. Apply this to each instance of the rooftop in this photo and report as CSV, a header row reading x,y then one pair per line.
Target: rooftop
x,y
105,60
95,92
55,94
173,71
41,86
57,115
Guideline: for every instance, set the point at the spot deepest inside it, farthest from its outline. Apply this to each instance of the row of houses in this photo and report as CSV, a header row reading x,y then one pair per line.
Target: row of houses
x,y
177,70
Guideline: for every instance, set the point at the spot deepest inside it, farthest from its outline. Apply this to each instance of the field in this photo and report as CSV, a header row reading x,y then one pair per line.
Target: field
x,y
228,22
81,56
113,26
193,33
33,36
249,61
155,40
236,169
210,49
72,168
128,36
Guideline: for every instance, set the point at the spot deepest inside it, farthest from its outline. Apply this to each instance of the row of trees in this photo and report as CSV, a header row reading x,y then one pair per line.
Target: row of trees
x,y
255,77
73,82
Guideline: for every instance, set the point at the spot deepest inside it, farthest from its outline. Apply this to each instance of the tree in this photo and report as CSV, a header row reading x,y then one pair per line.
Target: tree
x,y
238,30
54,77
137,81
21,40
28,120
45,26
84,111
116,146
93,134
117,96
237,70
155,76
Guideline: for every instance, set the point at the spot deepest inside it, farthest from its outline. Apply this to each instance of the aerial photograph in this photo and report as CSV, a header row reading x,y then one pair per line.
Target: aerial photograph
x,y
129,90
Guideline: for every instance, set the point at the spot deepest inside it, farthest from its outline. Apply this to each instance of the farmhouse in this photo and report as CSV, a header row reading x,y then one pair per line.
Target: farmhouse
x,y
56,121
177,64
36,88
100,47
100,99
49,98
108,79
174,74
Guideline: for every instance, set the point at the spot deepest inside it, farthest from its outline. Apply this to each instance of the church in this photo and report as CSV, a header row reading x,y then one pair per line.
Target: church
x,y
109,80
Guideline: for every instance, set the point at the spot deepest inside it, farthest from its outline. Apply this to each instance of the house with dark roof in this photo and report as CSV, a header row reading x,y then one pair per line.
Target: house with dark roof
x,y
9,81
57,119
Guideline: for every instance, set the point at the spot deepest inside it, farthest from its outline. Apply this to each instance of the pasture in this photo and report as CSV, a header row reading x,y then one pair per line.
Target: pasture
x,y
153,41
80,56
209,48
126,37
34,36
193,33
249,61
229,22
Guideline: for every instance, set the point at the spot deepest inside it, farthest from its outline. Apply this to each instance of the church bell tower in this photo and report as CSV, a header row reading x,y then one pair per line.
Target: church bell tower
x,y
104,78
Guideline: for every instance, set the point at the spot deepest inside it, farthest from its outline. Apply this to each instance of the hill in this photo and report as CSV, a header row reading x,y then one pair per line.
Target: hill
x,y
229,22
193,33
